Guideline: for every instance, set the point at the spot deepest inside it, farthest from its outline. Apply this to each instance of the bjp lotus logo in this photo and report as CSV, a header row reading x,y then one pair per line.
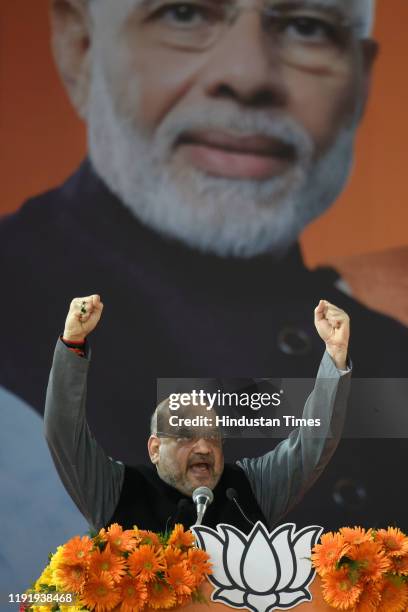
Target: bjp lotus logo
x,y
260,571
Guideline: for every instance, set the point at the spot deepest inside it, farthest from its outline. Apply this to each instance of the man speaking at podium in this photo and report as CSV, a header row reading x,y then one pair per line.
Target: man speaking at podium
x,y
155,498
217,131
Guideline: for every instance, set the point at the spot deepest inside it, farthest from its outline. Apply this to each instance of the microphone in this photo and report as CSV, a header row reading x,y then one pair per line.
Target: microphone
x,y
232,495
181,508
202,497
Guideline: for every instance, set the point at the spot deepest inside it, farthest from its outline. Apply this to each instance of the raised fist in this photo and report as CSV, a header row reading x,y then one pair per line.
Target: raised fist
x,y
333,326
83,316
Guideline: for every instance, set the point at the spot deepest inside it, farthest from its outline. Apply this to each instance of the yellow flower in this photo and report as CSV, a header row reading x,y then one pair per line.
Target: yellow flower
x,y
45,578
57,558
56,561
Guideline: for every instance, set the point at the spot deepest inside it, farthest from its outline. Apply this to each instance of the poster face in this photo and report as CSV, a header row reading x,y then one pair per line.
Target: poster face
x,y
213,157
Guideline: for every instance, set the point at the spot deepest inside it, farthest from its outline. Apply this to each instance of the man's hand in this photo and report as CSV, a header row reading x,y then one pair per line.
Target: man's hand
x,y
83,316
333,326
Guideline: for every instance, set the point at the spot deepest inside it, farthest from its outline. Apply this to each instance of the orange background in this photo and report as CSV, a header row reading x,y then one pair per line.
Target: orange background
x,y
43,141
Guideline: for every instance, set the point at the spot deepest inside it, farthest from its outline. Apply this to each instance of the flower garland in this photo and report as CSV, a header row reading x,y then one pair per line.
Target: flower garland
x,y
122,570
364,570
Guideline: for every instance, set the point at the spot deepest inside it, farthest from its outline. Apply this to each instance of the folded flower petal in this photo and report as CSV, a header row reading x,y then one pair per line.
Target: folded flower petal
x,y
259,568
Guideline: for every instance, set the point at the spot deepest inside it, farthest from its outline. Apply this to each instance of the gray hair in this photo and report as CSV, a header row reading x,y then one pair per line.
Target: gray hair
x,y
365,13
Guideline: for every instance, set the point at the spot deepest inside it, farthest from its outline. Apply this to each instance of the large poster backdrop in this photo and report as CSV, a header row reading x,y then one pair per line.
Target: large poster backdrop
x,y
37,121
169,314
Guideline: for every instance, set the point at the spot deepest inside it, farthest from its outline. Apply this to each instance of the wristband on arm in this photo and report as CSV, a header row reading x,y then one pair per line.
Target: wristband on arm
x,y
75,347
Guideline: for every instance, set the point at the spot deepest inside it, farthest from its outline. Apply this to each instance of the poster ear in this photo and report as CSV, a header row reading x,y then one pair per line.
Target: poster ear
x,y
71,35
370,50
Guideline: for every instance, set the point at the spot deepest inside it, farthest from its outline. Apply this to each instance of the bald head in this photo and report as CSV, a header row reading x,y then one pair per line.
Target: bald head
x,y
167,422
161,412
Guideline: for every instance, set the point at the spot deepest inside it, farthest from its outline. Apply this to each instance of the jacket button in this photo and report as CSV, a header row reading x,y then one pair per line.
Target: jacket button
x,y
294,341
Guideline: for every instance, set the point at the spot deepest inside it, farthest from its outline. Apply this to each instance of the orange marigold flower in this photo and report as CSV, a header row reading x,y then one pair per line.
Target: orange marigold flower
x,y
144,536
372,560
133,594
76,551
369,598
181,579
183,600
100,593
198,563
160,595
394,596
399,565
107,561
173,555
119,540
394,541
181,538
340,591
145,562
331,549
71,577
356,535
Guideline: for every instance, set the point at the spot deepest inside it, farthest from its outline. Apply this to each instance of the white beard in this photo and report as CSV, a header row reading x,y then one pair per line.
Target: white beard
x,y
218,215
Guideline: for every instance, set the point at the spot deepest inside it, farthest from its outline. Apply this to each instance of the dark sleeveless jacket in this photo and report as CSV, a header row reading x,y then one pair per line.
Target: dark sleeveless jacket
x,y
150,503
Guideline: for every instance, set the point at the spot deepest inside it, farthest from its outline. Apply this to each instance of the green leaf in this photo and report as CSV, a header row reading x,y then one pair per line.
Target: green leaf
x,y
199,597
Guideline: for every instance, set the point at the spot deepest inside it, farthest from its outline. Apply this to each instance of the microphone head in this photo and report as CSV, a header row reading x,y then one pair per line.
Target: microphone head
x,y
231,494
203,492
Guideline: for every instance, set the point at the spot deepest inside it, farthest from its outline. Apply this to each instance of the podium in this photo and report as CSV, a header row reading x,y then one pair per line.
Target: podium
x,y
316,605
260,571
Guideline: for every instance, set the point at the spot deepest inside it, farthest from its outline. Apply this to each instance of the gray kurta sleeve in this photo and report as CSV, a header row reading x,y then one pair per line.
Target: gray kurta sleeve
x,y
92,479
281,477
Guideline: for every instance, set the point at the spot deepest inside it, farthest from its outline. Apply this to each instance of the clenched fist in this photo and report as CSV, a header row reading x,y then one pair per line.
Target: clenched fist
x,y
83,316
333,326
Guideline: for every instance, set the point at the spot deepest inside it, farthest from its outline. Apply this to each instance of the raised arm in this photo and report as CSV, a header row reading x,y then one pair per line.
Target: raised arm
x,y
280,478
92,479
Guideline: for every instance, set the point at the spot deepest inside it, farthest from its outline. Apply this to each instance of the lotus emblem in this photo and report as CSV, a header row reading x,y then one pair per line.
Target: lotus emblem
x,y
260,571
